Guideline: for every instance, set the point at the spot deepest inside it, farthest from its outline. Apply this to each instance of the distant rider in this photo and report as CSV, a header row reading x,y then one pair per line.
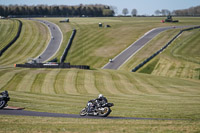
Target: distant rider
x,y
95,103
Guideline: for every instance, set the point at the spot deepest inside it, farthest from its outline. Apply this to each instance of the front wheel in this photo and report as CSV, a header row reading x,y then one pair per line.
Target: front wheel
x,y
2,104
83,112
105,112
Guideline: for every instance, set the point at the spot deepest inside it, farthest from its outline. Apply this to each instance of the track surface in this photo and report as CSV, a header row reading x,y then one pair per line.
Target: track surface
x,y
55,42
136,46
45,114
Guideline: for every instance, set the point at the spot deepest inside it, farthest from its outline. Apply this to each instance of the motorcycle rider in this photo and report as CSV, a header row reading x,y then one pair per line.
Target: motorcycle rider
x,y
95,103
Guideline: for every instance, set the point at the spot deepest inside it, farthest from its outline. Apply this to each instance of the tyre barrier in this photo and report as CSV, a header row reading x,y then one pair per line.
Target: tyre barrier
x,y
14,39
63,57
163,48
51,65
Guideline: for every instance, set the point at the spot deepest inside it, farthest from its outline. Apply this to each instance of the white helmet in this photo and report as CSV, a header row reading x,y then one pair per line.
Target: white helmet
x,y
100,95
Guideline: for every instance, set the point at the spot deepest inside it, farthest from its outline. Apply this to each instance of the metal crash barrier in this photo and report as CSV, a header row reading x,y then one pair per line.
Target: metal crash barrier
x,y
51,65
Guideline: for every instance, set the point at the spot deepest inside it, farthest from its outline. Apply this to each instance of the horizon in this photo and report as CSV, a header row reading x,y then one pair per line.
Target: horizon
x,y
143,7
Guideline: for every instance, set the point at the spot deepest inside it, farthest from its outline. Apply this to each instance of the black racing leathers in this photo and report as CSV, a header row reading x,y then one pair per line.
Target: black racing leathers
x,y
96,103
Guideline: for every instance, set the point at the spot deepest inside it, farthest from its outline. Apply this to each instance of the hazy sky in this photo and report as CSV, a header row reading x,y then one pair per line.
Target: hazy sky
x,y
144,7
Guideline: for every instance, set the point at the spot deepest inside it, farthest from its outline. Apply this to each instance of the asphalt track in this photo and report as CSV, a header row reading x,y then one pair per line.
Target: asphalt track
x,y
55,42
45,114
120,59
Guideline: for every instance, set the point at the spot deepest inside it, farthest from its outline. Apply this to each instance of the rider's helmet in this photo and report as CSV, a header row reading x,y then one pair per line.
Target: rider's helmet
x,y
100,96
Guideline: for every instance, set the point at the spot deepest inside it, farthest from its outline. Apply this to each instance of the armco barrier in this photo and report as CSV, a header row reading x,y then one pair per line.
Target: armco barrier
x,y
51,65
14,39
163,48
62,59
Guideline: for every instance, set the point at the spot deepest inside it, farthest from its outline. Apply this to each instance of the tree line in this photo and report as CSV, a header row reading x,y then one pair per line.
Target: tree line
x,y
192,11
57,10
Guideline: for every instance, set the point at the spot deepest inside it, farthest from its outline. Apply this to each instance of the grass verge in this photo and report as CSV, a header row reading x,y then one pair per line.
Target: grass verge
x,y
37,124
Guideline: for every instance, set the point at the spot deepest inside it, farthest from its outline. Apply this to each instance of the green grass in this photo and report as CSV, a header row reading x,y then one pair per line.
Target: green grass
x,y
150,67
180,59
153,46
163,94
183,46
134,95
32,41
67,91
94,46
37,124
8,28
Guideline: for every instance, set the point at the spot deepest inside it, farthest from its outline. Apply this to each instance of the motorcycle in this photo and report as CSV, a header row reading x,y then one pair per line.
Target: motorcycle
x,y
98,110
4,98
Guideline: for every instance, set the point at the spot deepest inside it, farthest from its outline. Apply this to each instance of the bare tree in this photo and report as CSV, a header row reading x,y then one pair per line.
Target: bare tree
x,y
165,12
114,8
125,11
157,12
191,11
134,12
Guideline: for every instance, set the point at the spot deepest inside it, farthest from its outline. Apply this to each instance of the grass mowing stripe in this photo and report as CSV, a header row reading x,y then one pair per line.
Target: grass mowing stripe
x,y
155,104
34,39
6,34
132,83
158,87
27,82
118,83
5,30
35,43
14,81
99,83
49,81
19,44
28,47
10,33
140,84
2,72
59,82
130,87
5,79
70,82
87,45
89,83
80,77
109,84
175,61
38,82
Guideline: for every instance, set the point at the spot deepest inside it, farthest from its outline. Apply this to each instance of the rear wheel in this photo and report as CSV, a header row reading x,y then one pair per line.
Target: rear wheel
x,y
2,104
83,112
105,112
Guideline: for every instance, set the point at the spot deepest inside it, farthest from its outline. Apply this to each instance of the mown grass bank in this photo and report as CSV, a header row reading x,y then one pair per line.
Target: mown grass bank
x,y
153,46
9,29
68,90
94,46
180,59
31,43
40,124
135,95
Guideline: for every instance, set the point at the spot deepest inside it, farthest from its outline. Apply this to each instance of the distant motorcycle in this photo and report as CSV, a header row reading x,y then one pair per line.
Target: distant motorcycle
x,y
100,110
4,98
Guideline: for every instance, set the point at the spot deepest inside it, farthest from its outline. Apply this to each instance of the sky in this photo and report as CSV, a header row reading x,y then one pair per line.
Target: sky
x,y
144,7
